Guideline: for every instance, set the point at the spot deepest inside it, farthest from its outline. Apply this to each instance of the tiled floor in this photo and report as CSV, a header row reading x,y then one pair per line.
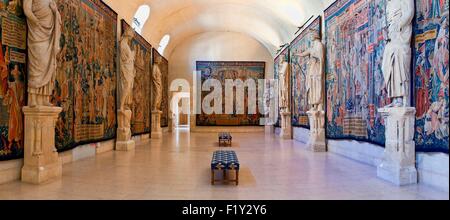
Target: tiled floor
x,y
178,168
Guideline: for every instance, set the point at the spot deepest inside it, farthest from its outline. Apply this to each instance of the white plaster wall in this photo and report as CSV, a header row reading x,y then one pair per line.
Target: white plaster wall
x,y
360,151
272,22
10,170
433,168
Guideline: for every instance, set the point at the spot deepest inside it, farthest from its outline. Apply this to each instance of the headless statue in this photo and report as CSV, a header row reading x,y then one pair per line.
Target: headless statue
x,y
315,75
284,83
127,70
157,85
44,24
397,53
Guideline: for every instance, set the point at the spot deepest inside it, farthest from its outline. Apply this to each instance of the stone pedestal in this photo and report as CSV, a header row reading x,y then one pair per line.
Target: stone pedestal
x,y
124,141
156,125
399,160
286,125
317,140
41,161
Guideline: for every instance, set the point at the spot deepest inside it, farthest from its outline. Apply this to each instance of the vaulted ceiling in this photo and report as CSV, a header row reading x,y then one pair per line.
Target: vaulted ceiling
x,y
271,22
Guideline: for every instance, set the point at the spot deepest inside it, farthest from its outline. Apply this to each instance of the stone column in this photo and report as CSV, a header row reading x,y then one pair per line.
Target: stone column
x,y
286,124
399,160
124,140
41,160
317,141
156,125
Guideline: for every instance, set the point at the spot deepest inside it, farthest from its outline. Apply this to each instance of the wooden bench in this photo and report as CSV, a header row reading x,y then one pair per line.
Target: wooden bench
x,y
225,138
225,161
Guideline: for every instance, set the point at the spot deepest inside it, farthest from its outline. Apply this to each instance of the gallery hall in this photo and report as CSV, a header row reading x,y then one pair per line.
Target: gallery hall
x,y
224,100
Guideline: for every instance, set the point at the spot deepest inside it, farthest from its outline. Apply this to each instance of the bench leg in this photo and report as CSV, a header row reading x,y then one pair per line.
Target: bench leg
x,y
237,177
224,175
212,177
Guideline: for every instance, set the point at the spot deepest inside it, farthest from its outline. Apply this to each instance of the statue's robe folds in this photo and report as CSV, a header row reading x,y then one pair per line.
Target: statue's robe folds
x,y
43,46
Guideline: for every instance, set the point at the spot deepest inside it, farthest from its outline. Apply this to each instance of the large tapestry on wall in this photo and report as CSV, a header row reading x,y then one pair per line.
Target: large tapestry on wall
x,y
87,73
13,35
282,55
431,68
355,38
299,68
141,107
223,71
164,67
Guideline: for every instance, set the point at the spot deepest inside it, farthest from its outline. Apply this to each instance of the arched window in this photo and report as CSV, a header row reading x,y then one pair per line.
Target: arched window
x,y
141,16
163,44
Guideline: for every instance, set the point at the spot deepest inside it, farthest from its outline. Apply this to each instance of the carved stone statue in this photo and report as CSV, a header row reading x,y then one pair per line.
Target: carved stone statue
x,y
397,54
283,72
399,160
315,75
127,69
157,85
44,24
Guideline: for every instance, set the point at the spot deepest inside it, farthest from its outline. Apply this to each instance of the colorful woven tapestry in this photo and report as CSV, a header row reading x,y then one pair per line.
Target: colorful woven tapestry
x,y
87,74
299,68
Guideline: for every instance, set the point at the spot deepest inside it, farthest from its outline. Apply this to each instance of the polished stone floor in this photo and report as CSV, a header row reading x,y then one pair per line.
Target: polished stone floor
x,y
178,168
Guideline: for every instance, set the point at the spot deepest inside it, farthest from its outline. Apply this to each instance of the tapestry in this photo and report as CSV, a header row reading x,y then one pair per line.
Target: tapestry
x,y
223,71
164,67
299,71
282,55
141,107
355,38
13,35
87,74
431,71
